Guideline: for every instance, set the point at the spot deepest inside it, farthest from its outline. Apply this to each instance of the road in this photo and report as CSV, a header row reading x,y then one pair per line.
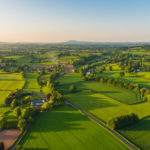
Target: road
x,y
102,124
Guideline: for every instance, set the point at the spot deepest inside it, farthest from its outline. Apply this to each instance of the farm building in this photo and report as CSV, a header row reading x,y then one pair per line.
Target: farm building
x,y
68,68
38,67
37,103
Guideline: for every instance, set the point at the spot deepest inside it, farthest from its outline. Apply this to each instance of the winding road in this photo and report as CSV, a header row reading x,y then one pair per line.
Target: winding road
x,y
102,124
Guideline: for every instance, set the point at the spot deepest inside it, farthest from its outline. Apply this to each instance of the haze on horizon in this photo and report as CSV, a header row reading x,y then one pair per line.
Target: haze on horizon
x,y
82,20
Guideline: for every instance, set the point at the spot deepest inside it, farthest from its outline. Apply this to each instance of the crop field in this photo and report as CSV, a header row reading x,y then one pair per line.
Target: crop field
x,y
66,128
9,82
31,82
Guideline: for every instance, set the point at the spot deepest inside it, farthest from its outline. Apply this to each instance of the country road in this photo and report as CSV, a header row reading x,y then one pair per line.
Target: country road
x,y
102,124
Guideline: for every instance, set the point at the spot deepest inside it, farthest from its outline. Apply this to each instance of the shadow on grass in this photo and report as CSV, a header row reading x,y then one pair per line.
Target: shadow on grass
x,y
142,125
60,119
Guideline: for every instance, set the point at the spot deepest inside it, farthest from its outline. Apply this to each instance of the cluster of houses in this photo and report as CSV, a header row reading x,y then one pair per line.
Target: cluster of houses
x,y
67,67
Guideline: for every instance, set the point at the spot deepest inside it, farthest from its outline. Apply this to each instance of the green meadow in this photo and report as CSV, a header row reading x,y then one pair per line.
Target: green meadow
x,y
92,98
66,128
139,133
31,82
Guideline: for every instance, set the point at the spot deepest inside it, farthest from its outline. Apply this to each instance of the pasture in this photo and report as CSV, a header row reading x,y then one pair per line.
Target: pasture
x,y
139,133
66,128
31,82
9,82
94,98
104,107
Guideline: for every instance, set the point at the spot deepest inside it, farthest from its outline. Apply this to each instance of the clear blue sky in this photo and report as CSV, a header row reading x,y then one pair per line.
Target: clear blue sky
x,y
85,20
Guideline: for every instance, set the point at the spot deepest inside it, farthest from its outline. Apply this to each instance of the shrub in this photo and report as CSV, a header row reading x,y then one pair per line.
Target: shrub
x,y
122,74
22,124
17,112
11,124
72,88
2,122
8,100
123,121
14,103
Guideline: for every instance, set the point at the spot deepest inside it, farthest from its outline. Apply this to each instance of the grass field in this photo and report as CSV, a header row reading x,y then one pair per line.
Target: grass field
x,y
139,133
9,82
119,94
141,78
67,129
31,82
98,103
104,107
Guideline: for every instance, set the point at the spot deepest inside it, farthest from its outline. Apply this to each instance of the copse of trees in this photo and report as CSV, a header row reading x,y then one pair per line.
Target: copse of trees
x,y
123,121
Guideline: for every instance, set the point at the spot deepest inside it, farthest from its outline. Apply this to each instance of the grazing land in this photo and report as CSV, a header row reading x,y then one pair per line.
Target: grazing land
x,y
31,82
71,130
9,82
139,133
98,103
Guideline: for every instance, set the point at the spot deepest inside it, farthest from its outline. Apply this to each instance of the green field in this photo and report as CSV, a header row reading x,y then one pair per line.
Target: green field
x,y
98,103
119,94
102,106
139,133
31,82
141,78
65,128
9,82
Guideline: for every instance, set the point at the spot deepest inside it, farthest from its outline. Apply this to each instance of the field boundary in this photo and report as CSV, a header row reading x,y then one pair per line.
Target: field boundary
x,y
116,134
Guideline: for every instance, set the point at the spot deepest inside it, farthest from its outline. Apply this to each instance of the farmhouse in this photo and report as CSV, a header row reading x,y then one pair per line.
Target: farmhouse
x,y
38,67
37,103
68,68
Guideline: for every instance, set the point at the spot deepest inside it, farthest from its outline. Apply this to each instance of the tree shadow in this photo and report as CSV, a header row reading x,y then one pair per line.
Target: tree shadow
x,y
60,119
142,125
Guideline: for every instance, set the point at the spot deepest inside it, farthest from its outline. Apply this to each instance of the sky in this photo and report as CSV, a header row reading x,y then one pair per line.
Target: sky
x,y
82,20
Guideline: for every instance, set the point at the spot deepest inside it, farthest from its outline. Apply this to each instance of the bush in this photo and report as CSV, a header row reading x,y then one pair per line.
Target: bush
x,y
17,112
11,124
22,124
72,89
14,103
122,74
8,100
123,121
2,122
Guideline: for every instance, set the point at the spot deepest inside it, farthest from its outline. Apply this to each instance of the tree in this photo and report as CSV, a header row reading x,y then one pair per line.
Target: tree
x,y
22,124
123,121
46,106
17,111
110,68
122,74
8,100
2,122
2,147
14,103
72,88
25,113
